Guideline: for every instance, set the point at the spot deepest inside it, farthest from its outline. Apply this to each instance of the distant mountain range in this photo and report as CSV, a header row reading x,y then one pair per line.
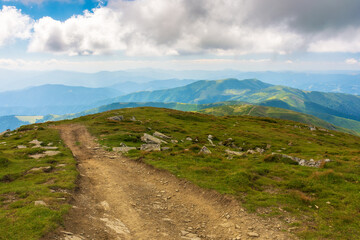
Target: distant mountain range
x,y
337,81
61,99
335,109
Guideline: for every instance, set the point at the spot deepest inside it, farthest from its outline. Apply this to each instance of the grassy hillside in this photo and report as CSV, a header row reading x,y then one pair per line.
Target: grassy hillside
x,y
225,108
25,182
327,106
318,203
273,112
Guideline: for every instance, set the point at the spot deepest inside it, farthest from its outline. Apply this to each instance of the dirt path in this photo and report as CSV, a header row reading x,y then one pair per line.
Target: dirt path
x,y
119,198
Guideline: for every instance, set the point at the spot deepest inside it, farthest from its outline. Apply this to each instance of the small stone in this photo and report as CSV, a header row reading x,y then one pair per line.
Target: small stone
x,y
253,234
205,150
40,203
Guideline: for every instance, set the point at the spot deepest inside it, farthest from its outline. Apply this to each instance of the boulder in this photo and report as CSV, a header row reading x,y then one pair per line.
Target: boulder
x,y
204,150
133,119
150,147
123,149
117,118
188,139
161,135
151,139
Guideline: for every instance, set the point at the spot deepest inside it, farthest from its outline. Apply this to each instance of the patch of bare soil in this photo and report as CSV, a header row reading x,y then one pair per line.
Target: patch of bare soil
x,y
119,198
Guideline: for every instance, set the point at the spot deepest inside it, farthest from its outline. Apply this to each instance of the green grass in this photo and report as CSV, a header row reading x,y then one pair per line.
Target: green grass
x,y
20,188
274,112
323,203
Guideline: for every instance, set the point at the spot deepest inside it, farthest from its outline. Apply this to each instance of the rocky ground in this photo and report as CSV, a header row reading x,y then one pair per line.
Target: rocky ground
x,y
119,198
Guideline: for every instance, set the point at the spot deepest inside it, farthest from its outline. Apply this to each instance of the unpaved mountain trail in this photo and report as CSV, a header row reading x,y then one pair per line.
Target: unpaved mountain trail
x,y
119,198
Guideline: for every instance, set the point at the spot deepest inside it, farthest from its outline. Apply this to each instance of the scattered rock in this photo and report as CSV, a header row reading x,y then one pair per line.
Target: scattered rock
x,y
253,234
227,225
250,151
234,152
116,225
204,150
117,118
165,148
151,139
268,146
45,169
260,150
50,148
161,135
21,147
174,141
123,149
36,142
303,162
312,128
46,153
150,147
133,119
123,145
40,203
188,139
105,205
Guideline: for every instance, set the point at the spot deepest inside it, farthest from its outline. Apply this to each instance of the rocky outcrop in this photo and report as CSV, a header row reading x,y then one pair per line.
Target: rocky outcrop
x,y
161,135
117,118
150,147
234,152
123,149
147,138
303,162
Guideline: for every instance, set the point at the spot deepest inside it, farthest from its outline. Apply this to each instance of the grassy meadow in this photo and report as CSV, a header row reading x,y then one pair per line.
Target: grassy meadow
x,y
24,180
317,203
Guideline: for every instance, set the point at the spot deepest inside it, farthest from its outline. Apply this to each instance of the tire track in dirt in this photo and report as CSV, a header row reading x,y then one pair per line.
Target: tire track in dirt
x,y
119,198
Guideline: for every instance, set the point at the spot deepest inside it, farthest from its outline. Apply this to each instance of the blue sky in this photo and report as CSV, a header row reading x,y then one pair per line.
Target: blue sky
x,y
248,35
59,10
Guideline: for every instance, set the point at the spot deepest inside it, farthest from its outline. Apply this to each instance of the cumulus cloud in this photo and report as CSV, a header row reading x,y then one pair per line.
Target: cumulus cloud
x,y
14,25
219,27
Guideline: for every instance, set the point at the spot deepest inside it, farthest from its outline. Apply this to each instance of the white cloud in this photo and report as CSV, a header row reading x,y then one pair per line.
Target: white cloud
x,y
188,27
162,27
351,61
14,25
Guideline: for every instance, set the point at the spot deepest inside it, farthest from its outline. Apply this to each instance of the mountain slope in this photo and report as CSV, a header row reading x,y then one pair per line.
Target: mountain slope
x,y
321,202
200,92
273,112
327,106
217,109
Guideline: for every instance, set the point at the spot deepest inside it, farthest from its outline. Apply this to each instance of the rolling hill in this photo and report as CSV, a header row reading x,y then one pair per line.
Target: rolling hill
x,y
250,159
339,109
217,109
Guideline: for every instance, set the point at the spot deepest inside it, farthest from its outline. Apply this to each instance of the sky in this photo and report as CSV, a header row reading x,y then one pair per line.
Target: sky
x,y
245,35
